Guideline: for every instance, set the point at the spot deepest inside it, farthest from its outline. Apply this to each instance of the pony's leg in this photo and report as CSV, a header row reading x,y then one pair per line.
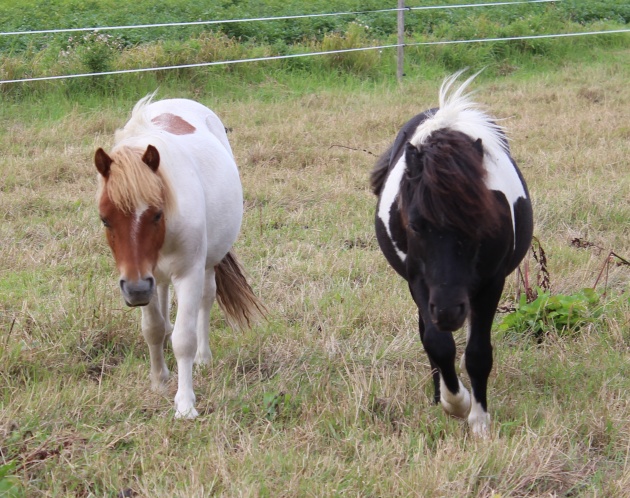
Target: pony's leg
x,y
462,360
184,340
479,354
440,346
154,330
204,355
164,300
441,350
434,370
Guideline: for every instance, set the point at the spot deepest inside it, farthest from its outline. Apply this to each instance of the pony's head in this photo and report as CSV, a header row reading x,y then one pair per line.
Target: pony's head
x,y
448,212
134,199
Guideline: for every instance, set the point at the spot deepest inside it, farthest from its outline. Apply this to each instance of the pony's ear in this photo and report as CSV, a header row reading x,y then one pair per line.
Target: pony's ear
x,y
102,162
151,158
413,159
478,146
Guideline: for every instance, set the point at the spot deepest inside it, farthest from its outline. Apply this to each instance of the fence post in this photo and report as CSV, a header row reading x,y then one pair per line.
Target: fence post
x,y
401,40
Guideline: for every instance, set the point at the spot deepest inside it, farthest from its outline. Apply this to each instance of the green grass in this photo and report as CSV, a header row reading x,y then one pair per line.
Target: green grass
x,y
45,55
332,395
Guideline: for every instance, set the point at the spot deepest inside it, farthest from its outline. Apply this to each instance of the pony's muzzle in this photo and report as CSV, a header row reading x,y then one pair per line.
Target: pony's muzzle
x,y
448,318
138,292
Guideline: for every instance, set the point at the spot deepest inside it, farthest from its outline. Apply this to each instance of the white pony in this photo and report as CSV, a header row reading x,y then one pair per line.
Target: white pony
x,y
171,200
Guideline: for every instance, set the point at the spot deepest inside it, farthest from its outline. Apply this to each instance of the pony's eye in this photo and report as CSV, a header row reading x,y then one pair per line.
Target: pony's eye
x,y
157,217
105,222
418,226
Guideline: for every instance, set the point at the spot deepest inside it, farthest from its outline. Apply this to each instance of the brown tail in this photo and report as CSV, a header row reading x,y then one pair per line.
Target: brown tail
x,y
235,296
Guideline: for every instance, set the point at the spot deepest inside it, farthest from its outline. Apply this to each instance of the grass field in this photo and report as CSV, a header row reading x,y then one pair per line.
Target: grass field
x,y
332,396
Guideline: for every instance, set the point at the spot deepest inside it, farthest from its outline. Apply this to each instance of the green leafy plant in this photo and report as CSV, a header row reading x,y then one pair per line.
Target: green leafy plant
x,y
272,402
9,484
96,50
560,313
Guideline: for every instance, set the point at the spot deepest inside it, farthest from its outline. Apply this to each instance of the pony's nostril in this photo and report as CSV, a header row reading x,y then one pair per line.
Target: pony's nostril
x,y
122,282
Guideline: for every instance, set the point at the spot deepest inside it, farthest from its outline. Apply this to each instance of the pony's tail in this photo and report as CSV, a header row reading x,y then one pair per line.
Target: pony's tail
x,y
235,296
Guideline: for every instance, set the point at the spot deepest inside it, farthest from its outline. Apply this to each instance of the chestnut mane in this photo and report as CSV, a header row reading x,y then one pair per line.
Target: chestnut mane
x,y
131,183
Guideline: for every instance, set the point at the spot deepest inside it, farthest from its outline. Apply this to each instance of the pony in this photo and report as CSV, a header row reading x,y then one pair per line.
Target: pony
x,y
171,201
454,219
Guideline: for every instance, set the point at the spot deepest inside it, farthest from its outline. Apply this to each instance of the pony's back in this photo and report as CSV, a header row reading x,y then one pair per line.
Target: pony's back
x,y
145,118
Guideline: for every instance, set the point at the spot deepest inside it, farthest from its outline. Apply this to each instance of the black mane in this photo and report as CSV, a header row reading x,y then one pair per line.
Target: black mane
x,y
445,182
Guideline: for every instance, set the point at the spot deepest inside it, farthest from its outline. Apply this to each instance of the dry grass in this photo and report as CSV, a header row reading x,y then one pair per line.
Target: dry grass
x,y
332,397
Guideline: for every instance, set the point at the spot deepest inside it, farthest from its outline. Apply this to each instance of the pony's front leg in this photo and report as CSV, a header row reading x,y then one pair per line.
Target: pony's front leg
x,y
479,354
204,355
435,373
155,330
184,340
441,350
440,347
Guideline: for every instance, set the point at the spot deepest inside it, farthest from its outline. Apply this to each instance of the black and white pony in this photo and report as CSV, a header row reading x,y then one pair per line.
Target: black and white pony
x,y
454,218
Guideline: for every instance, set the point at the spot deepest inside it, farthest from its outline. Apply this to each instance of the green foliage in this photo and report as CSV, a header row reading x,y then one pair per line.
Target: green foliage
x,y
356,36
560,313
273,402
95,50
26,56
10,486
597,10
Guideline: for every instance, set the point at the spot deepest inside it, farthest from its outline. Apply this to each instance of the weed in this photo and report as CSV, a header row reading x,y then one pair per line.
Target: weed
x,y
561,314
10,486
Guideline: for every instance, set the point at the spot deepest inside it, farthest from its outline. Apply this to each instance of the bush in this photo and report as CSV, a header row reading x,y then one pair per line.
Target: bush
x,y
562,314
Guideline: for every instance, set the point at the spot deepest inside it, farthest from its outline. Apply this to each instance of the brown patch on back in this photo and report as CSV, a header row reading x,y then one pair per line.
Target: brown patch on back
x,y
173,124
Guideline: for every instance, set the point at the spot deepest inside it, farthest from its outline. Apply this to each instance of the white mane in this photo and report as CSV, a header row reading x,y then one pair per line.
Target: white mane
x,y
139,123
458,112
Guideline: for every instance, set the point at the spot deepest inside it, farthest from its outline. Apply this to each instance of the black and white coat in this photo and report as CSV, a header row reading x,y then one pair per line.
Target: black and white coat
x,y
483,271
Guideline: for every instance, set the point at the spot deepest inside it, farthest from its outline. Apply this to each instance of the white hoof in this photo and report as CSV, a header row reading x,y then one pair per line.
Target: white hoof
x,y
189,413
479,421
457,405
185,405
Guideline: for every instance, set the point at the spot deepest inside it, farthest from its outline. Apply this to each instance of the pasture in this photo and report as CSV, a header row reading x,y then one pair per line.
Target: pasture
x,y
332,396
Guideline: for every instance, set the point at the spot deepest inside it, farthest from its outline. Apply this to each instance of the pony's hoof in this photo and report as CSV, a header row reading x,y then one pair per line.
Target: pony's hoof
x,y
479,423
187,413
158,384
456,405
203,359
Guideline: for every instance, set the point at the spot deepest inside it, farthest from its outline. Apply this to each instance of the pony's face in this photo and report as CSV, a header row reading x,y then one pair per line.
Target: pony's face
x,y
135,235
444,204
441,265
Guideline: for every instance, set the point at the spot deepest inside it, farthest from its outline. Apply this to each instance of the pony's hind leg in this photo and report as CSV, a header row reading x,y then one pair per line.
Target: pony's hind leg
x,y
164,300
155,329
204,355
